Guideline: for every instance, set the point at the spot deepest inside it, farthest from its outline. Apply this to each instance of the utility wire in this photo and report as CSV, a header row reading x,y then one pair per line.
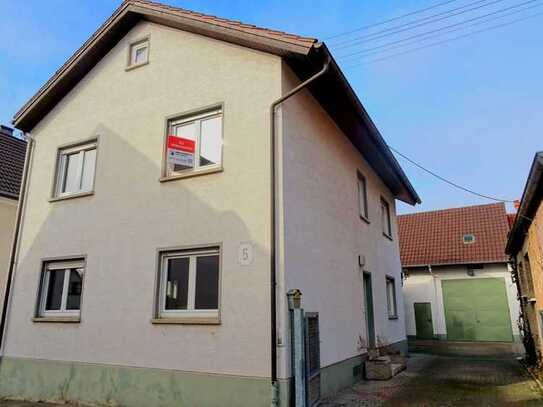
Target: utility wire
x,y
454,184
388,34
389,20
439,31
415,24
444,41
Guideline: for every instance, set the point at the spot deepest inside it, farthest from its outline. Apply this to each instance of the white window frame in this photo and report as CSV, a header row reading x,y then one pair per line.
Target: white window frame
x,y
190,312
62,166
197,119
386,220
391,301
132,52
67,266
362,185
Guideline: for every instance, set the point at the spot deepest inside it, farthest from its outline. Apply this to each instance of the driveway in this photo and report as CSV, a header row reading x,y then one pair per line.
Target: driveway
x,y
446,381
431,380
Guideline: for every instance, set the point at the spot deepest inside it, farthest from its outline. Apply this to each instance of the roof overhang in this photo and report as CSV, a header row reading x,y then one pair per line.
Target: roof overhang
x,y
531,199
451,264
332,91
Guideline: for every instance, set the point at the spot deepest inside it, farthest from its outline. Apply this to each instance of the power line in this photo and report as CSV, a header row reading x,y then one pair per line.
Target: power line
x,y
444,41
454,184
414,24
389,20
460,26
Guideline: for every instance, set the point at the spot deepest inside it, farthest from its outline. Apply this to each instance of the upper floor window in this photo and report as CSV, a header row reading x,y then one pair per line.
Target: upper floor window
x,y
61,288
385,218
139,53
75,169
194,143
362,197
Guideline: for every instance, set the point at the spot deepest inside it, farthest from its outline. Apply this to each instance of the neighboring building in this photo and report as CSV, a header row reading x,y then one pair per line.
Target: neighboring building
x,y
12,157
457,284
143,274
525,246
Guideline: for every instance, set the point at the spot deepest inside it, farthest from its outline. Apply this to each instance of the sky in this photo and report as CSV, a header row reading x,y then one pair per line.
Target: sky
x,y
469,109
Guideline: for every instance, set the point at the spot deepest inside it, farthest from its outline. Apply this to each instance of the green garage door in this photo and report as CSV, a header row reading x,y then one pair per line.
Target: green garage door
x,y
477,310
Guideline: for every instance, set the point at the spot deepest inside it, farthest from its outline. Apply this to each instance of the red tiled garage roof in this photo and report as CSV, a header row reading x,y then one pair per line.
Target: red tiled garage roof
x,y
434,238
12,158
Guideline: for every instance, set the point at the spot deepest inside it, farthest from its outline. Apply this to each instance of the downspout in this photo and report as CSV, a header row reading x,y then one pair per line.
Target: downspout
x,y
273,208
523,324
14,245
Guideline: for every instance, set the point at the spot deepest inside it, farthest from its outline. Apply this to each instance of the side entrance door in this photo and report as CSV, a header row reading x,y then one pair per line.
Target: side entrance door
x,y
476,309
423,320
368,309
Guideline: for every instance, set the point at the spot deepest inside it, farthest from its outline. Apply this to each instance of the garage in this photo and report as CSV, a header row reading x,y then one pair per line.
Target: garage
x,y
476,309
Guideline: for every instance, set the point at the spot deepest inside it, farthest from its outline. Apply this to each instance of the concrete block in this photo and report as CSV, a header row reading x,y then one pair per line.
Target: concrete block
x,y
378,369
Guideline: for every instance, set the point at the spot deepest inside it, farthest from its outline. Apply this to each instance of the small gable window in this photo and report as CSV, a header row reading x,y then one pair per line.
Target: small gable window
x,y
139,53
468,238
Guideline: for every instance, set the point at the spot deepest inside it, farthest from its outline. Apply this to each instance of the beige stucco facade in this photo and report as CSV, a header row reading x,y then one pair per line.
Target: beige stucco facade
x,y
324,234
132,214
8,212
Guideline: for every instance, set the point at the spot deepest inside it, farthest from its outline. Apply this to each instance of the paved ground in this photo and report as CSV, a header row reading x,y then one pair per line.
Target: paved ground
x,y
6,403
432,381
447,381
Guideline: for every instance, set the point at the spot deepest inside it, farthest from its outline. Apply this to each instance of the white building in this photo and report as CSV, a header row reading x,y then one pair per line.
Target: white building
x,y
457,284
146,250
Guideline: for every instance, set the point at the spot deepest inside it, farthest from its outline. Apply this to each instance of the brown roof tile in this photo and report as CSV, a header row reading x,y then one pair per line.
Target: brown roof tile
x,y
12,158
432,238
232,24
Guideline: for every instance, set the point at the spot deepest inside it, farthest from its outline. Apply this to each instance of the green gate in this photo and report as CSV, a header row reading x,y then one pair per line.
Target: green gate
x,y
477,310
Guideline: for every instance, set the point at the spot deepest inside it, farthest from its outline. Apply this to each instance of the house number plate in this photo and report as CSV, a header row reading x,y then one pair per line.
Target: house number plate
x,y
245,254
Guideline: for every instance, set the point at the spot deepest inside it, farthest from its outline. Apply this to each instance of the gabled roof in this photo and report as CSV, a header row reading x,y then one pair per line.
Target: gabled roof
x,y
12,159
305,56
436,238
531,199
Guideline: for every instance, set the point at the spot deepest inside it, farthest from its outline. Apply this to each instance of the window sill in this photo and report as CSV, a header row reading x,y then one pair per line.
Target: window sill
x,y
387,236
187,321
190,174
132,67
71,196
64,319
393,317
365,219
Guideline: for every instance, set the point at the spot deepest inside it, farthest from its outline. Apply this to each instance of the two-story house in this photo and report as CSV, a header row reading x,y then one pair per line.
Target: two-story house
x,y
187,172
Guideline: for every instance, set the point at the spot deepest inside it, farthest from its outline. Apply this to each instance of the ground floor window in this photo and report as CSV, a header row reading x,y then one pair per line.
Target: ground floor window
x,y
391,297
61,288
189,284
